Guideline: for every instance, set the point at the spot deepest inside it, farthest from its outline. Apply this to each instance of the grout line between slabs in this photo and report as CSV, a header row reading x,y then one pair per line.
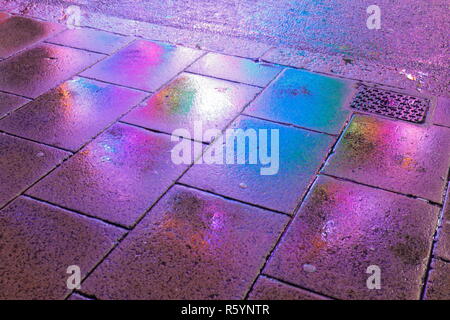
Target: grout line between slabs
x,y
298,287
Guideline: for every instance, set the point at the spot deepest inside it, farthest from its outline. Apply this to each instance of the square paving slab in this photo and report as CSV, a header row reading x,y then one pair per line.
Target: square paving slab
x,y
22,163
192,98
443,244
75,296
71,114
38,69
116,177
343,228
270,289
4,16
144,65
191,245
442,113
9,102
17,33
91,39
305,99
39,242
235,69
301,154
438,287
394,155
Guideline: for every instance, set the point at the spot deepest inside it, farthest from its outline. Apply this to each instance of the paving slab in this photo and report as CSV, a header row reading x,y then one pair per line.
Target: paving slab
x,y
301,154
38,69
17,33
305,99
91,39
191,245
343,228
72,114
75,296
39,242
270,289
393,155
443,244
23,163
144,65
352,67
192,98
235,69
4,16
116,177
438,286
442,113
9,102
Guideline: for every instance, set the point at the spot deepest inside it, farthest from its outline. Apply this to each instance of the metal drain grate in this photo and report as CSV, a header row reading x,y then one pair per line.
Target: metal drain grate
x,y
391,104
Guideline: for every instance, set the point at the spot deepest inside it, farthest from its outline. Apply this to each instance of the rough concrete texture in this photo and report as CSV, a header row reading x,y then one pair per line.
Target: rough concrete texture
x,y
191,245
305,99
442,114
270,289
443,240
9,102
216,61
143,65
191,101
72,114
17,33
301,154
39,242
23,163
35,71
343,228
91,39
235,69
393,155
439,281
116,177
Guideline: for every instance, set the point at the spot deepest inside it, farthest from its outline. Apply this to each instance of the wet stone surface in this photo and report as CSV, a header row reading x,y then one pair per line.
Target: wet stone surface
x,y
343,228
235,69
442,114
300,155
9,102
438,287
91,39
144,65
189,99
17,33
71,114
394,155
305,99
36,70
443,245
39,242
22,163
4,16
270,289
75,296
116,177
191,245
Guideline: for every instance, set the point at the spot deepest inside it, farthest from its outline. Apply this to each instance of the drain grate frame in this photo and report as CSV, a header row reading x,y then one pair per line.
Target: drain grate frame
x,y
390,104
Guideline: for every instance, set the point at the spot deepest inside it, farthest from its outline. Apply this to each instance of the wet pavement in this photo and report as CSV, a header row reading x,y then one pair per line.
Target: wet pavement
x,y
343,228
88,176
143,65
